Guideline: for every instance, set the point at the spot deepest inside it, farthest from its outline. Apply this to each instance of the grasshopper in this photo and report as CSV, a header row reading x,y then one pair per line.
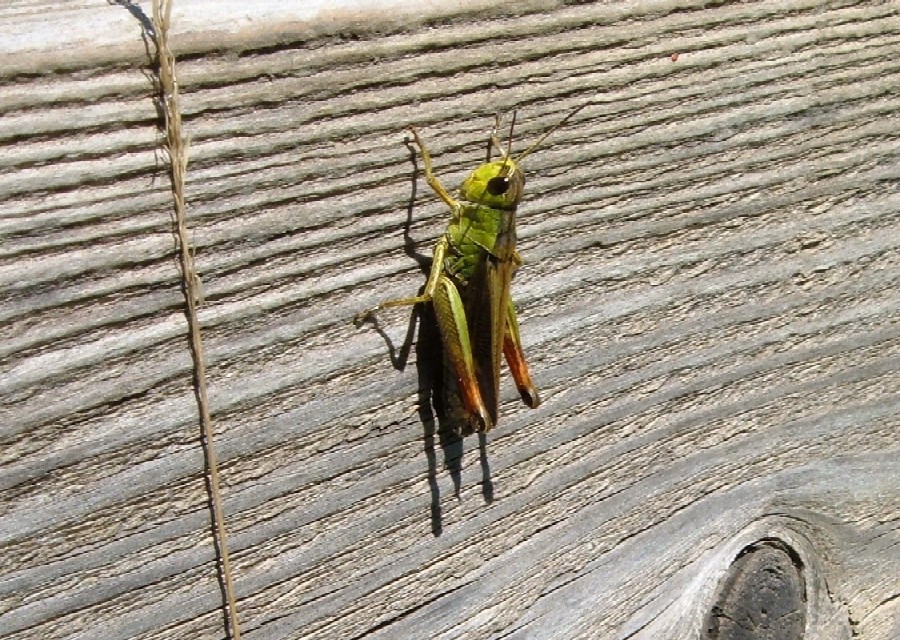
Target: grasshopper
x,y
469,283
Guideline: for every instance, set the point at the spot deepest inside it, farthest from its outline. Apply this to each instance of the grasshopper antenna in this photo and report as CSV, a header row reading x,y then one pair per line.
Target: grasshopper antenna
x,y
510,139
549,131
508,153
493,141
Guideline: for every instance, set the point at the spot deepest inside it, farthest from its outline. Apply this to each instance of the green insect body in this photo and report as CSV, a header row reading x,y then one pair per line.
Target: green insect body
x,y
479,261
469,285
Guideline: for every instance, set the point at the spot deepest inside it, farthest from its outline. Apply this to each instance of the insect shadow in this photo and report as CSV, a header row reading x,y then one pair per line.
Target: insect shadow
x,y
438,428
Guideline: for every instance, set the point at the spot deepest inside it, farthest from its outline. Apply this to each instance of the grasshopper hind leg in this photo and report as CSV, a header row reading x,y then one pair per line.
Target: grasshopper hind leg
x,y
454,329
515,358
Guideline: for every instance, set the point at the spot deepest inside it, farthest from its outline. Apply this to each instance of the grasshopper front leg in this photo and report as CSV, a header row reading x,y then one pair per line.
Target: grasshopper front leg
x,y
430,177
440,250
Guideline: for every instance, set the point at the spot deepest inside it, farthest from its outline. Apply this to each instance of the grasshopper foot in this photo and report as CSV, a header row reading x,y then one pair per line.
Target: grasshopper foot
x,y
530,397
363,316
483,420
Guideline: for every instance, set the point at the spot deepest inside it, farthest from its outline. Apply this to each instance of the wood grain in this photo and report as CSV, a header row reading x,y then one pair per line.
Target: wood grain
x,y
709,304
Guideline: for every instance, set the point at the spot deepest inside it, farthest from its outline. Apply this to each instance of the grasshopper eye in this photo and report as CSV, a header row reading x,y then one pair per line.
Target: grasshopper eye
x,y
498,186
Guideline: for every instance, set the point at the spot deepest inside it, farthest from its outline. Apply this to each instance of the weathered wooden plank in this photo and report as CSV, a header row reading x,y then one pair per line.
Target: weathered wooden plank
x,y
709,305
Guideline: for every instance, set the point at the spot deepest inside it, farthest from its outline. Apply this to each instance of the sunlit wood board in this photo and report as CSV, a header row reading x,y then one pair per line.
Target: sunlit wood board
x,y
709,304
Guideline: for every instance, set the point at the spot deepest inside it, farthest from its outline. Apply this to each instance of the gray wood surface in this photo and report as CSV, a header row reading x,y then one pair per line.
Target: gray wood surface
x,y
709,304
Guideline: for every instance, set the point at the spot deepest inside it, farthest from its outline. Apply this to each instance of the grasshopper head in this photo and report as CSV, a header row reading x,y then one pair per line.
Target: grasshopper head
x,y
498,185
